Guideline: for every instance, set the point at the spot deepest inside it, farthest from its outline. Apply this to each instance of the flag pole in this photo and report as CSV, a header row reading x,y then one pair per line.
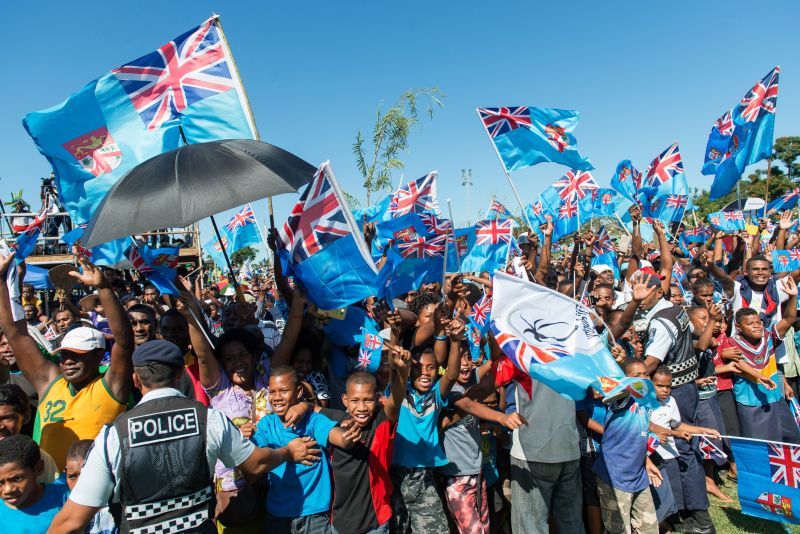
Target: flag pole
x,y
453,233
766,187
508,176
622,224
245,101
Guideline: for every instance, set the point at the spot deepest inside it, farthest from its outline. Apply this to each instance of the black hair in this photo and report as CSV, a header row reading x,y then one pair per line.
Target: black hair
x,y
742,313
757,257
474,293
12,395
157,375
423,299
695,309
79,450
662,370
250,342
700,283
286,370
630,362
362,377
144,308
150,286
172,312
20,449
605,286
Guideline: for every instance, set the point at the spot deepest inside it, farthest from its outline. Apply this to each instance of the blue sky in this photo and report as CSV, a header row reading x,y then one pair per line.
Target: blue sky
x,y
642,74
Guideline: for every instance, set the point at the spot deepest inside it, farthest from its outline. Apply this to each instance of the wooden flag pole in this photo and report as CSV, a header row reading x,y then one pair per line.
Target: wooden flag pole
x,y
766,188
453,233
508,176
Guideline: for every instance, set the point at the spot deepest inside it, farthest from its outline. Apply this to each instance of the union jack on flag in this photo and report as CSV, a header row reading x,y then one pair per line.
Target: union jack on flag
x,y
138,261
603,242
763,96
499,121
575,185
194,66
677,201
784,464
568,209
497,211
242,218
481,310
733,215
418,196
364,359
434,224
794,254
665,166
316,220
423,248
494,232
724,124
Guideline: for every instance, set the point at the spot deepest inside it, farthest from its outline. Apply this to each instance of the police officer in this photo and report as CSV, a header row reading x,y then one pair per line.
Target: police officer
x,y
669,342
146,465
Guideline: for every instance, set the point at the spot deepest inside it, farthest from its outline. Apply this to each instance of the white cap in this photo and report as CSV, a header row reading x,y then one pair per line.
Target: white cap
x,y
600,268
82,340
645,263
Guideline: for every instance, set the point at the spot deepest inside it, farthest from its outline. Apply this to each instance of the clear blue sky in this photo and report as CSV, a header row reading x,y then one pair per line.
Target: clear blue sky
x,y
642,74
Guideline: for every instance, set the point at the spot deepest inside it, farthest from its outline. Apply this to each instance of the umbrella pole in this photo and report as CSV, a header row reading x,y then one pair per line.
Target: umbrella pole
x,y
232,277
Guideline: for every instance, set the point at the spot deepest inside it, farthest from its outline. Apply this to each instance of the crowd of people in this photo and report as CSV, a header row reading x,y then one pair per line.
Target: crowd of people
x,y
104,427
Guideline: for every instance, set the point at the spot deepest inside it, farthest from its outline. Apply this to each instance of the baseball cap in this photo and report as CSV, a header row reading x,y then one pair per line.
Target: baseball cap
x,y
650,277
82,340
600,268
158,351
523,239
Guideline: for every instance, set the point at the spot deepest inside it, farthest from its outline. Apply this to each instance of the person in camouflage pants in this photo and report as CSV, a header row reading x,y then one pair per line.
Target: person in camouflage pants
x,y
415,502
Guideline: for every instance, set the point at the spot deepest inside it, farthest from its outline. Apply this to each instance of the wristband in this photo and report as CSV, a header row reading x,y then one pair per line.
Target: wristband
x,y
440,338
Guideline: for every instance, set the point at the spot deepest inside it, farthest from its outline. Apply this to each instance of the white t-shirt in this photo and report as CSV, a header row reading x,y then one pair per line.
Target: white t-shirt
x,y
668,416
757,301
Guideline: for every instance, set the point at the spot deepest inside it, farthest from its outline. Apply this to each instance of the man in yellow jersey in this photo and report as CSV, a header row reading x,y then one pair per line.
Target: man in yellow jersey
x,y
75,400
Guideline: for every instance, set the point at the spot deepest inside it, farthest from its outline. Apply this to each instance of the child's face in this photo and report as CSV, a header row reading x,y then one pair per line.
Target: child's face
x,y
663,385
466,368
72,469
11,421
699,319
636,370
18,485
361,402
752,327
302,362
719,326
283,393
423,373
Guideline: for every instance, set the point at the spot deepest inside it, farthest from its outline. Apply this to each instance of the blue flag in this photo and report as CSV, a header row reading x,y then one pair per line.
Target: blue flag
x,y
627,180
485,248
243,229
785,202
785,261
108,254
133,113
525,136
159,265
497,211
768,482
727,221
369,352
742,136
326,248
26,240
214,250
610,259
599,203
408,227
553,339
411,264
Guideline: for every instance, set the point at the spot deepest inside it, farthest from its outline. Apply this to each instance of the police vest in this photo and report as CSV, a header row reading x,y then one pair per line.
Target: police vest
x,y
681,359
165,483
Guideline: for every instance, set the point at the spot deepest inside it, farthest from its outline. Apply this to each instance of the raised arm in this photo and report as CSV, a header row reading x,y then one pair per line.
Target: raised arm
x,y
456,331
119,375
277,269
666,255
545,253
398,359
639,291
283,352
717,271
790,288
207,364
37,369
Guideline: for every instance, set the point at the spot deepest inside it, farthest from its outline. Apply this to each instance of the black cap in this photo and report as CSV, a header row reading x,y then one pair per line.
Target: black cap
x,y
158,351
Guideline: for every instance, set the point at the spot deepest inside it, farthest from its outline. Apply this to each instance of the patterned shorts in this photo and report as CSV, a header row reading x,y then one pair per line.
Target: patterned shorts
x,y
466,499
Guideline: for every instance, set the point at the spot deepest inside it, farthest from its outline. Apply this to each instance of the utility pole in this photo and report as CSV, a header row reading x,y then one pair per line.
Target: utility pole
x,y
466,177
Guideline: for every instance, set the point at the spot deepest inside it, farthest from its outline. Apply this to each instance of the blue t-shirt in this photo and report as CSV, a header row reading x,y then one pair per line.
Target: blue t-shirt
x,y
297,490
623,448
35,519
417,443
596,410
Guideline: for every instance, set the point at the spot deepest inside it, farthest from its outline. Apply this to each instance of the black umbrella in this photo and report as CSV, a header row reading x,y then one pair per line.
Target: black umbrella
x,y
178,188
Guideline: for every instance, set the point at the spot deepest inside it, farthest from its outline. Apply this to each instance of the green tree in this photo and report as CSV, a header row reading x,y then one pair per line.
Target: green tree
x,y
754,186
242,255
787,150
378,157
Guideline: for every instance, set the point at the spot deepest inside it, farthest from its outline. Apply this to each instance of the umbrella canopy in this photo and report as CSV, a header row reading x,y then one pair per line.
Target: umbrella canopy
x,y
180,187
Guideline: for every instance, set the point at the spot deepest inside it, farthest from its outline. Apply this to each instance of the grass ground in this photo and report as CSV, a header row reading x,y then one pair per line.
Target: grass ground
x,y
728,518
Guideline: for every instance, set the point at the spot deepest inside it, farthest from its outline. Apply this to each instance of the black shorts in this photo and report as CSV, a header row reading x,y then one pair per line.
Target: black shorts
x,y
589,481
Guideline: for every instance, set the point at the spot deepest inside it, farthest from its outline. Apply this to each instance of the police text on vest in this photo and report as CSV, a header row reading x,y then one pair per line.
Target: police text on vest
x,y
164,426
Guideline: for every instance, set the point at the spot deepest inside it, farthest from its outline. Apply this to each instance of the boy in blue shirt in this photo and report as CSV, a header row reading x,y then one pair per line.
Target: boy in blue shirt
x,y
28,505
299,498
623,469
417,448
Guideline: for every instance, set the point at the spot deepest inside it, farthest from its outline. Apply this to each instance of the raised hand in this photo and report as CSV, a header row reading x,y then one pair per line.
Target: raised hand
x,y
5,262
456,330
547,228
640,290
635,213
789,286
658,227
786,221
91,275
